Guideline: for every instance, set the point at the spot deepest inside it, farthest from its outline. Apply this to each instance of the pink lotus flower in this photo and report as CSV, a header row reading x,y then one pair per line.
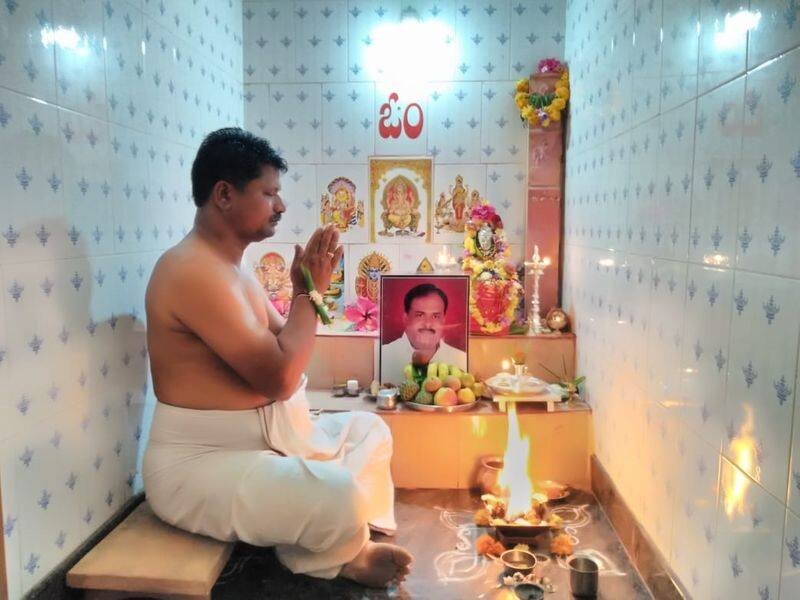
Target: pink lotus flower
x,y
364,313
485,212
550,65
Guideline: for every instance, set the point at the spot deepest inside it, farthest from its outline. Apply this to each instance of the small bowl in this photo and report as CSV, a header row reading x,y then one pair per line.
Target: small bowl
x,y
387,399
529,591
518,561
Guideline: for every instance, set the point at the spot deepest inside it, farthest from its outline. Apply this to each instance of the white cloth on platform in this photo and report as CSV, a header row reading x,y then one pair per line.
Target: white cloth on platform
x,y
273,476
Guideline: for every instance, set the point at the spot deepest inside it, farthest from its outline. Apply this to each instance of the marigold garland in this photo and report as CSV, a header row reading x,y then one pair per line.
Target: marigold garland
x,y
542,109
497,271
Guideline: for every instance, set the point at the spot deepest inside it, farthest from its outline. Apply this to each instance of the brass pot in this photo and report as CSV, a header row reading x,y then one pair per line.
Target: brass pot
x,y
489,473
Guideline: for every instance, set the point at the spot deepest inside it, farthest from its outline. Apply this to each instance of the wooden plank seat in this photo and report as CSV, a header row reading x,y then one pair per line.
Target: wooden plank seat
x,y
145,557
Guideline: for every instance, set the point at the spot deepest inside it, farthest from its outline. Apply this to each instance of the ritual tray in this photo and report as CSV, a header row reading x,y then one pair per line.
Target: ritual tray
x,y
505,384
441,409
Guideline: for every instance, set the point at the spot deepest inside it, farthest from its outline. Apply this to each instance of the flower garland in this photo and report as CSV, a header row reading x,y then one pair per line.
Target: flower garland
x,y
542,109
497,272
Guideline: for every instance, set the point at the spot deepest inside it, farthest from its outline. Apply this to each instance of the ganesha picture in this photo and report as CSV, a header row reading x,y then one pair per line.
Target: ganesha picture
x,y
400,198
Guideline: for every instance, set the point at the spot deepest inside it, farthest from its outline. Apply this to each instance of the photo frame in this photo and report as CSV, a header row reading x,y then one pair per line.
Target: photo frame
x,y
428,314
400,192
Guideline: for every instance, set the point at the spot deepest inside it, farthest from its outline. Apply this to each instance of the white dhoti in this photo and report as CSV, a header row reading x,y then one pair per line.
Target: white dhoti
x,y
273,476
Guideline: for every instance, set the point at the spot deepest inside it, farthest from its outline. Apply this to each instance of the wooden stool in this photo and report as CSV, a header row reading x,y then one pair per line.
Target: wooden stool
x,y
143,556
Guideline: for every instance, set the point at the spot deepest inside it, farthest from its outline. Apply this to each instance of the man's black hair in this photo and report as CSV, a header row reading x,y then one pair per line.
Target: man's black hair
x,y
422,290
234,155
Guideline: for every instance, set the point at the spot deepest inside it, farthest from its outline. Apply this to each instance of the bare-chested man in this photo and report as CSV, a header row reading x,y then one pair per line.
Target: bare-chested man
x,y
233,453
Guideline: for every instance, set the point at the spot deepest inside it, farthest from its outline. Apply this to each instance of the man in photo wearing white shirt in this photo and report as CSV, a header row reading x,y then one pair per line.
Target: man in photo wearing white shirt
x,y
425,307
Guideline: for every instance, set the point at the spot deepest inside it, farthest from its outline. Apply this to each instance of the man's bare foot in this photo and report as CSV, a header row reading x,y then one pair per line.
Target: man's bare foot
x,y
377,564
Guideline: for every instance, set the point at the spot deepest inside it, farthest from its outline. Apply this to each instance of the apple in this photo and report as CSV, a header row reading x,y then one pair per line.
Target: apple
x,y
445,397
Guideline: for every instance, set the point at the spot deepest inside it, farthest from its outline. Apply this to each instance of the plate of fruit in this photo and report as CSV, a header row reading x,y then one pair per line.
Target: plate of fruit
x,y
439,387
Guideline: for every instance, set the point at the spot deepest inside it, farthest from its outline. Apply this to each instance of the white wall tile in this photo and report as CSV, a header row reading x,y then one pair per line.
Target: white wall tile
x,y
747,551
97,186
768,214
710,163
723,46
28,65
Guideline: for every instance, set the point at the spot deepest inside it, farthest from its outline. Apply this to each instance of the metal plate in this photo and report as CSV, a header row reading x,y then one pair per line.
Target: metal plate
x,y
441,409
562,491
503,384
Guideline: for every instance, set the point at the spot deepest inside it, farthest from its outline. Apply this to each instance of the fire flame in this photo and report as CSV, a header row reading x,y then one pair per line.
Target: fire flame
x,y
743,449
513,478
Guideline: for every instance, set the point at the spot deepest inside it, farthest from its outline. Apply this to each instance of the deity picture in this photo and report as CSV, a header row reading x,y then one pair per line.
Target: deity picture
x,y
334,295
400,208
452,208
340,207
273,274
368,278
400,192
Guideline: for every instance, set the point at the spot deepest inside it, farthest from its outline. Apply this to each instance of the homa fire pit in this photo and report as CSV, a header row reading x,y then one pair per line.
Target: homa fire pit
x,y
517,514
519,527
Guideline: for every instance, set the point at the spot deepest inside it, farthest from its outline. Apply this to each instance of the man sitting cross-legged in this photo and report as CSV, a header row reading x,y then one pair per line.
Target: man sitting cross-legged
x,y
233,452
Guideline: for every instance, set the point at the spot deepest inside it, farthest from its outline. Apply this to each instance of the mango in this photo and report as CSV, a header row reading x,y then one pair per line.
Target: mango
x,y
432,384
453,382
445,397
433,369
454,370
466,396
444,371
408,371
423,397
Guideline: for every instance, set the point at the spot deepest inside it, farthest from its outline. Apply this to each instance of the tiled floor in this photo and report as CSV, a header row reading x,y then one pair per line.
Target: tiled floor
x,y
430,526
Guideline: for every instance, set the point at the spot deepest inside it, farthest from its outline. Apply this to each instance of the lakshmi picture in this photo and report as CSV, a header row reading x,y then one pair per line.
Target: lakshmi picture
x,y
400,197
452,208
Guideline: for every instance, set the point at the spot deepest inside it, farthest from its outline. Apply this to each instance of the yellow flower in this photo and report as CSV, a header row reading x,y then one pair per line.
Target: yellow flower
x,y
564,76
523,85
559,103
554,114
527,112
562,91
521,99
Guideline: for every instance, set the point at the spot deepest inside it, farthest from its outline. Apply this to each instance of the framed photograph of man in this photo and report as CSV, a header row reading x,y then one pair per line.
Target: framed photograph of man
x,y
426,314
